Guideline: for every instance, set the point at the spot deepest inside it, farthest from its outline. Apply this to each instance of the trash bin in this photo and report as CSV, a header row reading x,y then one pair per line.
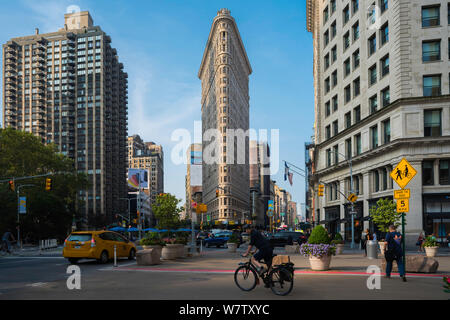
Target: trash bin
x,y
372,249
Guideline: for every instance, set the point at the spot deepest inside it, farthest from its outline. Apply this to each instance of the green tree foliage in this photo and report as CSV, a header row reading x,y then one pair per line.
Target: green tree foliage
x,y
49,213
166,211
385,214
319,236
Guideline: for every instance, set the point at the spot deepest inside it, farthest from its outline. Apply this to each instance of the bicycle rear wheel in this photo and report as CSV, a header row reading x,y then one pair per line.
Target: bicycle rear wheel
x,y
281,281
245,278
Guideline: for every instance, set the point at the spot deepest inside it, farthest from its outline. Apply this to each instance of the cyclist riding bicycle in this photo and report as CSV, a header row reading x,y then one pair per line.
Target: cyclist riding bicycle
x,y
265,249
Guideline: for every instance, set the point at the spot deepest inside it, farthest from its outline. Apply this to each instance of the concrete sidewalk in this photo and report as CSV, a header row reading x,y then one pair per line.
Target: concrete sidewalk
x,y
351,261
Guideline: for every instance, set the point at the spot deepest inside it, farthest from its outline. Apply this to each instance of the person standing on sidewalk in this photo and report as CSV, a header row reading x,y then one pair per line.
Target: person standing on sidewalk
x,y
420,242
394,252
367,237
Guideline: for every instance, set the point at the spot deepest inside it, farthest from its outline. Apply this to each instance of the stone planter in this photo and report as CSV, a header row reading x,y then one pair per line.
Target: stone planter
x,y
156,248
231,247
339,248
180,250
431,251
170,252
320,264
148,257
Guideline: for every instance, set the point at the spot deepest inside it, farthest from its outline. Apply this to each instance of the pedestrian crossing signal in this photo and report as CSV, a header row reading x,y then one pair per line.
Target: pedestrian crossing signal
x,y
320,190
217,193
48,184
12,186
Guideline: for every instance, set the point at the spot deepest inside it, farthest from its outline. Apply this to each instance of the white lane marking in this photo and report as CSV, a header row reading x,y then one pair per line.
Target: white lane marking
x,y
37,284
11,258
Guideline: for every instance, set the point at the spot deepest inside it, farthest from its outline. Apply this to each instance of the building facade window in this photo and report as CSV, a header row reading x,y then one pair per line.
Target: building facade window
x,y
428,172
430,16
374,136
372,44
346,14
348,120
386,97
373,74
355,32
335,128
335,103
384,33
347,94
358,148
346,40
355,6
432,123
444,172
431,50
385,66
373,104
356,87
384,5
356,60
387,131
357,114
347,68
432,86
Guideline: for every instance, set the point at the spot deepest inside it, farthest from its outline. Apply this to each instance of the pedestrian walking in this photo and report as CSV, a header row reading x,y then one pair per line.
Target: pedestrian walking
x,y
394,252
367,237
7,239
419,242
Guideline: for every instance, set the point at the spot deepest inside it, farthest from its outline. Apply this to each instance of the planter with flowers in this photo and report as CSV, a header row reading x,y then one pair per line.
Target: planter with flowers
x,y
153,241
170,250
431,246
318,249
232,243
338,241
181,242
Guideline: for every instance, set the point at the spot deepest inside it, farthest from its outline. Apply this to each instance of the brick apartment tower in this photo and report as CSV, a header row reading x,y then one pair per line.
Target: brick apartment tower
x,y
69,88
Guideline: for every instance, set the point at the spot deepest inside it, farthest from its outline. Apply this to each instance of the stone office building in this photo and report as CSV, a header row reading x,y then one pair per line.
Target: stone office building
x,y
381,78
224,73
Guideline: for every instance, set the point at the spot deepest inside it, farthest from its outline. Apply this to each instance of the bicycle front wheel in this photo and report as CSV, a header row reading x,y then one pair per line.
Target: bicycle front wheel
x,y
281,281
245,278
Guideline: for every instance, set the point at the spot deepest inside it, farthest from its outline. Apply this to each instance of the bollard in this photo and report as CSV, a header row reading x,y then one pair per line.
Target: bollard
x,y
372,249
115,257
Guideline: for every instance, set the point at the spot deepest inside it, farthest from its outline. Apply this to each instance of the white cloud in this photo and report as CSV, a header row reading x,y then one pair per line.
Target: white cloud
x,y
49,14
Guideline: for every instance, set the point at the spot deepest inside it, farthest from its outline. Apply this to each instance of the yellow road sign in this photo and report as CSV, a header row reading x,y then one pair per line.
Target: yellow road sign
x,y
352,198
403,205
402,194
403,173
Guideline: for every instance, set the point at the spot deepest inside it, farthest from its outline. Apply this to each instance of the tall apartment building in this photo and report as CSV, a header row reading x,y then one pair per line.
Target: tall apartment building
x,y
148,156
69,88
224,73
193,180
381,79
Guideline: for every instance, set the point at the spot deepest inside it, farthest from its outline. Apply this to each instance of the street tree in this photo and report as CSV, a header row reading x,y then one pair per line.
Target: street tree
x,y
166,211
385,214
49,213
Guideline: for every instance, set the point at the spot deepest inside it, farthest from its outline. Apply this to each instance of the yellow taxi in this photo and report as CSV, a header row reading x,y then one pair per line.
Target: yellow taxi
x,y
97,245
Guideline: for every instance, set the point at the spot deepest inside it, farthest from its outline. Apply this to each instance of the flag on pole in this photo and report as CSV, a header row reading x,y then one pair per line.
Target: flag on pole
x,y
286,171
290,177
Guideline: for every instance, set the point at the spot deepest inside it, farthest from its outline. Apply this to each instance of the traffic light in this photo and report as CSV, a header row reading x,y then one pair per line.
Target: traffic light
x,y
12,186
48,184
217,193
320,191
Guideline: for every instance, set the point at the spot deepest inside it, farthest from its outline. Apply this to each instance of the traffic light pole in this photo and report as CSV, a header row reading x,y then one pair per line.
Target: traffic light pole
x,y
18,211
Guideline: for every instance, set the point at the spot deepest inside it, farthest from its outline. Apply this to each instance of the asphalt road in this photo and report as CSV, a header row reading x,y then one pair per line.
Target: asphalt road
x,y
45,277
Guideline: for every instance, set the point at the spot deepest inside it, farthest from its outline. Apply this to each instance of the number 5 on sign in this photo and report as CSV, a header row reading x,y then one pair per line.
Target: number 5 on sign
x,y
403,205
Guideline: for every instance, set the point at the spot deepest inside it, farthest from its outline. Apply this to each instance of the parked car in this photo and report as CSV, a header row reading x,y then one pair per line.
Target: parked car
x,y
201,236
280,239
217,239
97,245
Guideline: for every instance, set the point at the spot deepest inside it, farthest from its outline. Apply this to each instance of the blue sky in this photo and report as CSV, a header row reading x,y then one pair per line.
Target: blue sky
x,y
161,44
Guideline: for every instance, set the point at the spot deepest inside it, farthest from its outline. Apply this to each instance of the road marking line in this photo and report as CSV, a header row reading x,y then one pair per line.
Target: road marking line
x,y
37,284
306,272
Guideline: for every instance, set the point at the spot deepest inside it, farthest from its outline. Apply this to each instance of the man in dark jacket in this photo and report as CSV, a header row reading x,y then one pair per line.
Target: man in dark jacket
x,y
265,250
394,252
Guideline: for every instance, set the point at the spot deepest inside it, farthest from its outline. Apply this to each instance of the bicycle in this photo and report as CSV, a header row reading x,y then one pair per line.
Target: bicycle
x,y
4,247
279,278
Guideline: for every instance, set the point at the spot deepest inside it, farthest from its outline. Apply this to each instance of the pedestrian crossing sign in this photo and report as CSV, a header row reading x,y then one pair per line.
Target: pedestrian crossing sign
x,y
403,173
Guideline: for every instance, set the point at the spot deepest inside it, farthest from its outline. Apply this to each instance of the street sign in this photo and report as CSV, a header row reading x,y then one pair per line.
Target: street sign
x,y
22,205
403,173
402,194
270,213
352,198
403,205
